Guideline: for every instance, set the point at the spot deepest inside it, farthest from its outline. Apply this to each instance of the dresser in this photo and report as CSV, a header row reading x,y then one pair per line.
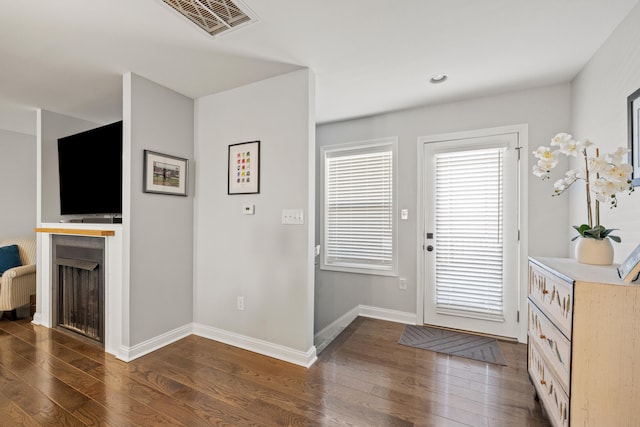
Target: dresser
x,y
584,343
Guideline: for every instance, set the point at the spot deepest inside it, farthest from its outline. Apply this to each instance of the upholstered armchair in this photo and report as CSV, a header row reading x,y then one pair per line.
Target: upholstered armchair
x,y
19,283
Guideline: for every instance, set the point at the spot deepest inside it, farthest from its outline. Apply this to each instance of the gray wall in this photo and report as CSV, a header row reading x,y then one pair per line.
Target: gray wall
x,y
599,112
545,110
160,227
18,190
255,256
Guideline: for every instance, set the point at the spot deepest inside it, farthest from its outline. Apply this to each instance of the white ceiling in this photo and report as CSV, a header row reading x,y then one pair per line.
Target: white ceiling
x,y
369,56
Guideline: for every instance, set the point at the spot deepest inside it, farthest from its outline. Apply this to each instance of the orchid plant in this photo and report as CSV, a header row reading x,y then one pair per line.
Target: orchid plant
x,y
604,176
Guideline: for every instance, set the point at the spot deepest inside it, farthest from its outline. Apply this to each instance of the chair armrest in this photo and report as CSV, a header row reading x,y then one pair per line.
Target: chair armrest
x,y
16,286
19,271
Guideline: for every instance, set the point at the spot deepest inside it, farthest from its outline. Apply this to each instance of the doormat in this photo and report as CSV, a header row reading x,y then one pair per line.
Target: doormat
x,y
471,346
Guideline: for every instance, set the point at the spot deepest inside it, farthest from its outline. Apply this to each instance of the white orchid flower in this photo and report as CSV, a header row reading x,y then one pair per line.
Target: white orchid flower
x,y
583,145
559,184
570,148
620,172
561,138
548,164
597,164
581,174
619,155
540,172
545,153
605,191
604,175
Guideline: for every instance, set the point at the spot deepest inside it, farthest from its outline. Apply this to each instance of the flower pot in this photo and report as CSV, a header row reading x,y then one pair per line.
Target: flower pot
x,y
594,251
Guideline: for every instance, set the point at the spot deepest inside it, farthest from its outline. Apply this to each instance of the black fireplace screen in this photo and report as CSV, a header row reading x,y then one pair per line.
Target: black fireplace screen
x,y
80,307
78,285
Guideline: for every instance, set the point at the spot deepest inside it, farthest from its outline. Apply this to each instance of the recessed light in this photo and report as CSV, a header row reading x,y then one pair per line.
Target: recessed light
x,y
438,78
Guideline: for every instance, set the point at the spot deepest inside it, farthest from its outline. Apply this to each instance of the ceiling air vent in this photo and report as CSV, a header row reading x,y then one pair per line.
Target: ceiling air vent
x,y
214,16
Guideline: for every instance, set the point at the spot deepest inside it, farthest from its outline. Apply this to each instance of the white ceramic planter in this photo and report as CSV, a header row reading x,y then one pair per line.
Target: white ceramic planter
x,y
593,251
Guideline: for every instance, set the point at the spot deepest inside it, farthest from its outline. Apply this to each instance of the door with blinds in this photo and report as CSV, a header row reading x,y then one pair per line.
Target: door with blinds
x,y
471,234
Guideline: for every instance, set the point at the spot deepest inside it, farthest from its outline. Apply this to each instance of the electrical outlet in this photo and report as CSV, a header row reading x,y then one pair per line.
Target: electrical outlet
x,y
240,303
402,284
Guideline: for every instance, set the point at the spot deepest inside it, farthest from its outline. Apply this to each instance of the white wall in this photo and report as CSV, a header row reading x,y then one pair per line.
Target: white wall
x,y
158,228
545,110
18,177
255,256
599,112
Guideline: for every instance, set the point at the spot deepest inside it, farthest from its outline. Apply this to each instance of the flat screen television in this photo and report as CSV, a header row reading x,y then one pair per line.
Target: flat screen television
x,y
90,168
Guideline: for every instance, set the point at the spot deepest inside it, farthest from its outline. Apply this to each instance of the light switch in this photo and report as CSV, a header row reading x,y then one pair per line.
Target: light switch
x,y
292,216
404,214
248,209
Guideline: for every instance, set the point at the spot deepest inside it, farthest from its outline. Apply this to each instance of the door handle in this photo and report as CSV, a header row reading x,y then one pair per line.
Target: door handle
x,y
430,248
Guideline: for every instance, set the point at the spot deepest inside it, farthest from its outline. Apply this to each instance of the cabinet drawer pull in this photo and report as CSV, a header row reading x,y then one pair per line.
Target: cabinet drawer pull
x,y
544,291
543,382
543,337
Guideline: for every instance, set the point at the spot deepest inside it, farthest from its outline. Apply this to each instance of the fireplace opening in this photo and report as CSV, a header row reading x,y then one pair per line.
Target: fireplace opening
x,y
78,286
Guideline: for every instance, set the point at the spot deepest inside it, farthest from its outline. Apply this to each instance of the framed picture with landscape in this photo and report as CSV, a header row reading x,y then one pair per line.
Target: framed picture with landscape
x,y
244,168
633,109
165,174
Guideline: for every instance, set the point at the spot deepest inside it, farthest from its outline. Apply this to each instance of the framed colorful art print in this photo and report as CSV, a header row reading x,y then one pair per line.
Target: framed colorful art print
x,y
244,168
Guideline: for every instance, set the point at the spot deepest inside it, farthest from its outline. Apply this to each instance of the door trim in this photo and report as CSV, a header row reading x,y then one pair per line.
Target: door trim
x,y
522,131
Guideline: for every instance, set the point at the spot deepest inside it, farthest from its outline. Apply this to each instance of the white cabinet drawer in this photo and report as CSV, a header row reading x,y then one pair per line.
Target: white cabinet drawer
x,y
548,387
553,296
555,346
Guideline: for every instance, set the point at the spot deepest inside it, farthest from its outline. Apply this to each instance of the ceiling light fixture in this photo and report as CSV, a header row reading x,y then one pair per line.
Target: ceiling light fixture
x,y
438,78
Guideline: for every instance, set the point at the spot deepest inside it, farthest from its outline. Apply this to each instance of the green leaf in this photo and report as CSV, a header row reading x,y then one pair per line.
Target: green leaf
x,y
597,233
581,229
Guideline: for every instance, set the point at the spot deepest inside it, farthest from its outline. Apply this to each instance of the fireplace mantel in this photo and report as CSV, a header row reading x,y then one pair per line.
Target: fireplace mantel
x,y
77,231
115,317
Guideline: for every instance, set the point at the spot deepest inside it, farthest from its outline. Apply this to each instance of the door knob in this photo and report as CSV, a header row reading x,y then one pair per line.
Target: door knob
x,y
430,248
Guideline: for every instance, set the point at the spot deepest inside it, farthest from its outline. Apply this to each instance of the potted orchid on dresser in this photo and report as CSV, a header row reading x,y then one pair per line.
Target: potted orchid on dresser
x,y
604,176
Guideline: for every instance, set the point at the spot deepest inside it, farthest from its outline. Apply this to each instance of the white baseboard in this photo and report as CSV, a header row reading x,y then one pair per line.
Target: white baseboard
x,y
326,335
128,354
322,338
287,354
265,348
386,314
38,319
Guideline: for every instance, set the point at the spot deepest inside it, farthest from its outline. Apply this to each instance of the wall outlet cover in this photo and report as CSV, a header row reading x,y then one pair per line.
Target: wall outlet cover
x,y
293,216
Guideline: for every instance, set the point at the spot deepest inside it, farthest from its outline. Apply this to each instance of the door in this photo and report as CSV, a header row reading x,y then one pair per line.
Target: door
x,y
471,247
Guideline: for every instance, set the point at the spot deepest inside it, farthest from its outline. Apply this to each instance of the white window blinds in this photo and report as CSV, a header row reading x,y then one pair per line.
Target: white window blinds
x,y
358,209
469,233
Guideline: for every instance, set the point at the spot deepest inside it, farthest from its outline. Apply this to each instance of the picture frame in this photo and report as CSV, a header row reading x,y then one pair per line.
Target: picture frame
x,y
633,111
243,173
165,174
629,270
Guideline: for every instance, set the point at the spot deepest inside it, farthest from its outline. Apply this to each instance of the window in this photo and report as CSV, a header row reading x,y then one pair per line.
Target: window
x,y
358,203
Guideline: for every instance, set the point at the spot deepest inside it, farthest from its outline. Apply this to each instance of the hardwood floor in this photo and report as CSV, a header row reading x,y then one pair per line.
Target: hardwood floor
x,y
363,378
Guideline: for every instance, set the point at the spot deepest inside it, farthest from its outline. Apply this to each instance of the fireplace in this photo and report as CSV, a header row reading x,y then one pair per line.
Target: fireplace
x,y
79,285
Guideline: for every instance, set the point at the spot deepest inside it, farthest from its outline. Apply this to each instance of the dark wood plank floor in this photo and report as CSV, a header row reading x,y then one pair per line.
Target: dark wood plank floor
x,y
363,378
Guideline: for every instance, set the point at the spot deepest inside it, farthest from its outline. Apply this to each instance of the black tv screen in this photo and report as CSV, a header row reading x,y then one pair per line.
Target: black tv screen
x,y
90,168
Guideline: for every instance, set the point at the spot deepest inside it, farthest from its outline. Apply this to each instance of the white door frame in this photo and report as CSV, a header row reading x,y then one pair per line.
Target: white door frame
x,y
522,131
